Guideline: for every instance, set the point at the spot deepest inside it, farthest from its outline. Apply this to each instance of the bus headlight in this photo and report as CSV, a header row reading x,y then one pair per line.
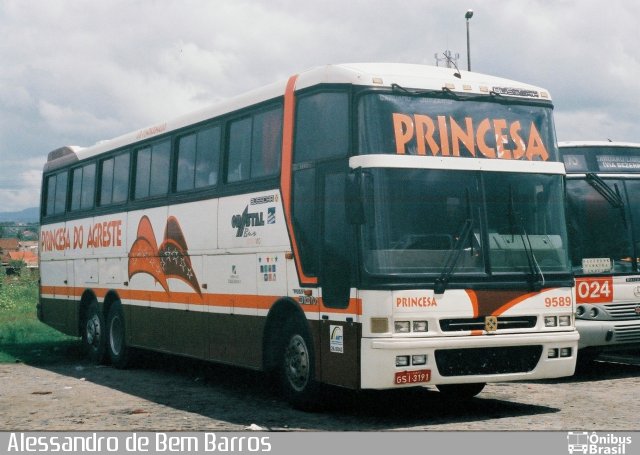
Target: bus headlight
x,y
420,359
593,312
402,361
420,326
564,321
401,327
550,321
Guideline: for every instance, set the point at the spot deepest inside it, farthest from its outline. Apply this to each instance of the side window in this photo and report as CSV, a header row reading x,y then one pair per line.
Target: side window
x,y
239,162
267,141
198,158
322,126
121,178
56,194
83,185
305,219
254,145
207,157
49,208
152,170
114,180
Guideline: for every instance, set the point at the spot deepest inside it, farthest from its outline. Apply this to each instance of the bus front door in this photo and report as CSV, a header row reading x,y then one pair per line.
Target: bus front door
x,y
339,331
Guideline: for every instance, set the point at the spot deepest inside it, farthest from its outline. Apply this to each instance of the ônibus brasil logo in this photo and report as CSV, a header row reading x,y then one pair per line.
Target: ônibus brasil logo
x,y
594,443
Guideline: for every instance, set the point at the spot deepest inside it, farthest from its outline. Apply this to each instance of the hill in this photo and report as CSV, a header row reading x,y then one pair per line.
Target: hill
x,y
30,215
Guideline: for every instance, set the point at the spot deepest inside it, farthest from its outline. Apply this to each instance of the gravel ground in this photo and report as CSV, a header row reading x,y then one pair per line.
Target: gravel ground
x,y
165,393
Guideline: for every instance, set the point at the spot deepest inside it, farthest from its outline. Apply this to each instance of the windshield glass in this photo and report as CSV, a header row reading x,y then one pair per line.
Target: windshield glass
x,y
422,125
601,238
416,220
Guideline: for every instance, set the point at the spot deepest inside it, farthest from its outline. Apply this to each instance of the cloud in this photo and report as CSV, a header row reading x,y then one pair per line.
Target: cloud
x,y
66,120
77,73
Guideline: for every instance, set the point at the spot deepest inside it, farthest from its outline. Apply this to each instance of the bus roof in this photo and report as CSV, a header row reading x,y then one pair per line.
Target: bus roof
x,y
410,76
598,144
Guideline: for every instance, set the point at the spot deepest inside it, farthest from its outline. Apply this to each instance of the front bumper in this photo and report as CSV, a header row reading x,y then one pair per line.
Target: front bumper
x,y
379,358
608,335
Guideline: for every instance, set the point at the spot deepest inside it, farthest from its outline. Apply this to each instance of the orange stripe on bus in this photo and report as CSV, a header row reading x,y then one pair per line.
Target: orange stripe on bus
x,y
248,301
286,172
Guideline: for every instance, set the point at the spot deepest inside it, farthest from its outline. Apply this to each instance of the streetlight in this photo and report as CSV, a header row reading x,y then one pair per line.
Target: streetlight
x,y
468,15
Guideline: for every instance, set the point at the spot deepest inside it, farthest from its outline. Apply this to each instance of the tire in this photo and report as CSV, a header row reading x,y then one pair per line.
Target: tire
x,y
461,392
119,352
94,338
296,372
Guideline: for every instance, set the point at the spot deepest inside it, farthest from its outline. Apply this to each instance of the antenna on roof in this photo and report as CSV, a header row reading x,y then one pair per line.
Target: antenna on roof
x,y
450,61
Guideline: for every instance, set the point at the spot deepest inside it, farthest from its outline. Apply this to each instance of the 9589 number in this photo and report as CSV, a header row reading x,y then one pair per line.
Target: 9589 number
x,y
553,302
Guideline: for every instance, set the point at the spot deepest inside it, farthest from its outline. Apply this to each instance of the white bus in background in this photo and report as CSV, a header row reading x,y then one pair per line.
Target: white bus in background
x,y
603,216
369,226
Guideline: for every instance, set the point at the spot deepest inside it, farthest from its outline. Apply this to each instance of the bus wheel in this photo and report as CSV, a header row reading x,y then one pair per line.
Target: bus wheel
x,y
117,345
93,334
460,392
297,368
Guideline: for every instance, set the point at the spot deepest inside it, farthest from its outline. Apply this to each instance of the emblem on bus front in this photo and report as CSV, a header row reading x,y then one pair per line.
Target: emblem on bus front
x,y
490,323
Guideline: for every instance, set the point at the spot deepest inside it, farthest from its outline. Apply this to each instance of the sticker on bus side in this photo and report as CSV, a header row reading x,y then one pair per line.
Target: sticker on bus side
x,y
594,290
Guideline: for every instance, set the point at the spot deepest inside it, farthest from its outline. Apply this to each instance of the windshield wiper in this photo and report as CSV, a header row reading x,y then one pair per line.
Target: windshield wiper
x,y
611,195
452,259
536,277
464,234
445,91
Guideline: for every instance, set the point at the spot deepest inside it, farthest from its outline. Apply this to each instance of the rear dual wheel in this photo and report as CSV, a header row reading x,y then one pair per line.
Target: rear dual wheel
x,y
94,334
119,352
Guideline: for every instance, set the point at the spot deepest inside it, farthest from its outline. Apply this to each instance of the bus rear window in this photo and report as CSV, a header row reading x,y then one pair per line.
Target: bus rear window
x,y
56,194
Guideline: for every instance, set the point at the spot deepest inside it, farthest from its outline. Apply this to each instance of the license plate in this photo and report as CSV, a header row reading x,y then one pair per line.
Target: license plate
x,y
413,377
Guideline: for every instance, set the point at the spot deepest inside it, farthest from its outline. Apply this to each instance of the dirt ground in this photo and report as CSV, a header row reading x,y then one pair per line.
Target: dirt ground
x,y
165,393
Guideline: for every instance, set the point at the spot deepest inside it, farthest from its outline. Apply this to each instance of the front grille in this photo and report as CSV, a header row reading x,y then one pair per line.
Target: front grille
x,y
627,333
504,323
501,360
621,311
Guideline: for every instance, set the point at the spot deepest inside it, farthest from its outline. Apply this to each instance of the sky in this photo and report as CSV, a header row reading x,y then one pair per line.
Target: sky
x,y
77,72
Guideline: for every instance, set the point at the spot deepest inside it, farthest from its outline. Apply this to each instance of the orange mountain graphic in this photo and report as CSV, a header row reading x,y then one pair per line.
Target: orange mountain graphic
x,y
170,260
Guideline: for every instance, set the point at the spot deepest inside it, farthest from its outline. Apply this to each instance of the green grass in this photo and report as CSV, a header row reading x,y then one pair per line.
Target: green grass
x,y
22,337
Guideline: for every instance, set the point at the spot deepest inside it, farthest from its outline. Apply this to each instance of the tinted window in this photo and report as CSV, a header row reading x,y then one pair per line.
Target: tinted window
x,y
305,219
254,146
207,157
198,157
267,139
61,193
121,178
152,170
83,187
238,167
114,179
51,196
322,126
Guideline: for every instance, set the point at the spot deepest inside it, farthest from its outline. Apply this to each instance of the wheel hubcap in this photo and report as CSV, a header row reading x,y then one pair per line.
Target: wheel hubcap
x,y
297,363
93,330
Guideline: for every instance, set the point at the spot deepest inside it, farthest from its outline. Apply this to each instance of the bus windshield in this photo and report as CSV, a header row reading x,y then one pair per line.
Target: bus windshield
x,y
602,231
418,220
490,127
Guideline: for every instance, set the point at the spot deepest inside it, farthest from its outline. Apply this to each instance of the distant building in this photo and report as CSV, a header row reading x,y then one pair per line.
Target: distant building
x,y
11,249
28,257
8,245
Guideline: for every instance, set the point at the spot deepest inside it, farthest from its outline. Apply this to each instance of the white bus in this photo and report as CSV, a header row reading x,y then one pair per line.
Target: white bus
x,y
368,226
603,216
